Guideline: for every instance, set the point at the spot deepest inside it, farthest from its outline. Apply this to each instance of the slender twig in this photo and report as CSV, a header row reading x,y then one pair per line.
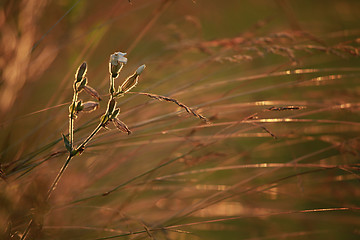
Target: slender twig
x,y
306,211
80,148
24,235
112,86
173,100
71,143
58,176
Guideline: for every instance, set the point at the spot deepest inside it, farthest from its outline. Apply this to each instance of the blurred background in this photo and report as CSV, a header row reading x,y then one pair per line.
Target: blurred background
x,y
277,79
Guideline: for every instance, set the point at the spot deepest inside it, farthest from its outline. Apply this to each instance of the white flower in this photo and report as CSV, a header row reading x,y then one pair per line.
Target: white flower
x,y
117,61
118,58
140,69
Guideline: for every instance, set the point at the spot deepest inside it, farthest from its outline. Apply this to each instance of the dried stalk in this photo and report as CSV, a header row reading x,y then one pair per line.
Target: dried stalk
x,y
173,100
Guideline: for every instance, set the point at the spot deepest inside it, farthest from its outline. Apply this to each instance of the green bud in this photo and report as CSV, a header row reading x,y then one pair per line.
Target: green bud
x,y
81,71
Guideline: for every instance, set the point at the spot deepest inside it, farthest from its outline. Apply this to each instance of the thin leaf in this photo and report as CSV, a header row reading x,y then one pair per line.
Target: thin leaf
x,y
67,143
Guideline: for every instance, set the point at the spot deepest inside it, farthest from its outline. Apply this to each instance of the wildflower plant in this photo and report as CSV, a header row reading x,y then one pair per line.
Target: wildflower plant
x,y
281,159
77,106
116,63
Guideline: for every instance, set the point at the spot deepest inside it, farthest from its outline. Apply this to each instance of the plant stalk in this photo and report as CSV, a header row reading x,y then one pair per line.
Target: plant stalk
x,y
87,140
112,86
72,154
71,119
58,176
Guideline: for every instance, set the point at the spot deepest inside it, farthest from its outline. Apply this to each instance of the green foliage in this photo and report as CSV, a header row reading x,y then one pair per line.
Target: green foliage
x,y
67,143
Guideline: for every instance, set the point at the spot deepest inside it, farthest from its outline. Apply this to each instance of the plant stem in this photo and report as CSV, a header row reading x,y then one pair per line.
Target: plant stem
x,y
82,145
71,141
112,86
71,131
58,176
27,230
80,148
62,170
77,150
71,119
57,179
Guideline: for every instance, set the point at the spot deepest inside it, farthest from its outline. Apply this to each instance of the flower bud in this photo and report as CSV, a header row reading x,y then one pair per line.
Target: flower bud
x,y
89,106
140,69
117,60
131,81
92,92
80,73
121,126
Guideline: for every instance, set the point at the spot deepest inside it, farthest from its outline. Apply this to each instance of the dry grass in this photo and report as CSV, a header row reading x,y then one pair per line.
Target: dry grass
x,y
278,80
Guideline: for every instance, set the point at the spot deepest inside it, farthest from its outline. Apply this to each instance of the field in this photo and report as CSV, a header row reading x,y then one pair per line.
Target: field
x,y
244,124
